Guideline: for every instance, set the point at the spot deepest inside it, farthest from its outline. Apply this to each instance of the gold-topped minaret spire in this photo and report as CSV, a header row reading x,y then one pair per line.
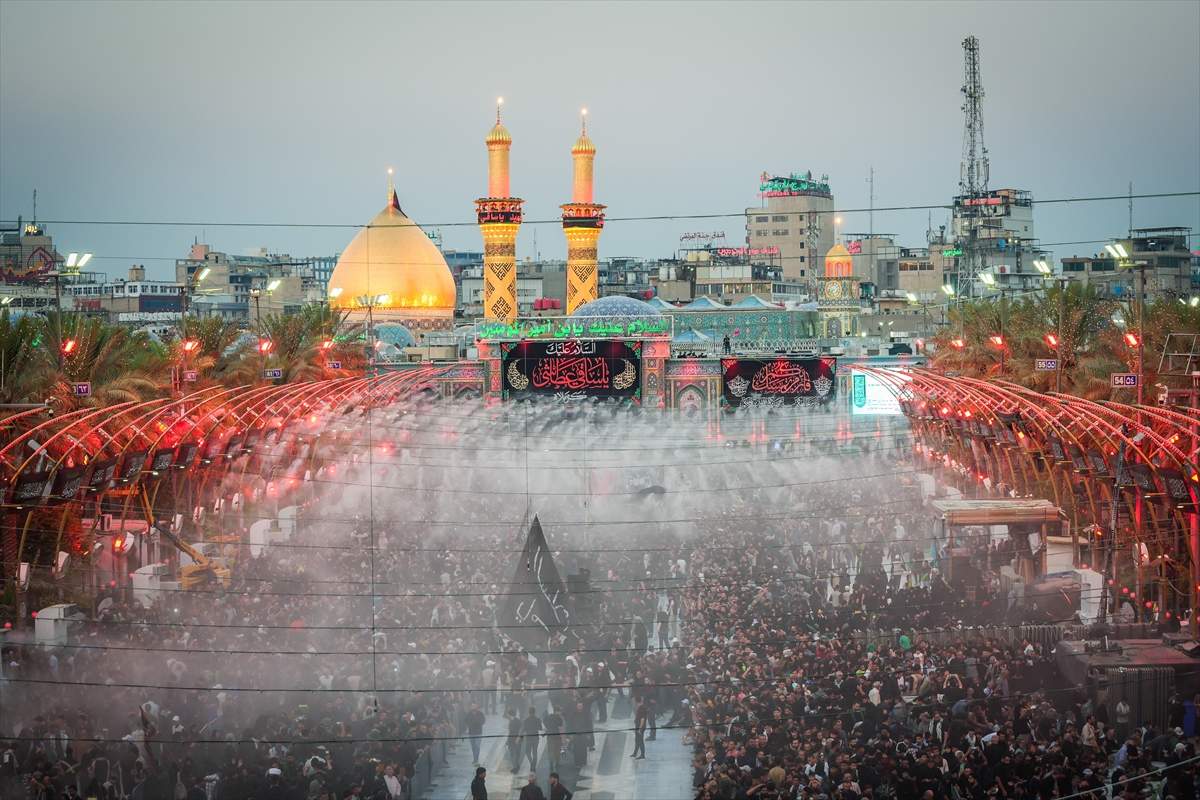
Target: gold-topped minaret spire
x,y
582,222
499,218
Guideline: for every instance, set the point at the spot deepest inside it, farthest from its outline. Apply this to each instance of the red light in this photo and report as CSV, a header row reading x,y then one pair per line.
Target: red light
x,y
1051,340
69,346
1149,604
266,346
1131,339
959,343
117,544
998,341
1125,591
1020,435
328,343
190,346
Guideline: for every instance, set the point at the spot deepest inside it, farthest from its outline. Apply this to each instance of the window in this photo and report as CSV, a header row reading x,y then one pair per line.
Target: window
x,y
779,218
779,232
761,219
760,233
801,271
801,261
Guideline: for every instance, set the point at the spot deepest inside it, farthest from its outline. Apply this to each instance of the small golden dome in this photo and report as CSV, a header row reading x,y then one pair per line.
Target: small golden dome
x,y
838,262
394,262
583,147
499,136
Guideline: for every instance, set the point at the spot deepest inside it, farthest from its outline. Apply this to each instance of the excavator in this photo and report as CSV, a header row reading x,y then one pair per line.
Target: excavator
x,y
203,571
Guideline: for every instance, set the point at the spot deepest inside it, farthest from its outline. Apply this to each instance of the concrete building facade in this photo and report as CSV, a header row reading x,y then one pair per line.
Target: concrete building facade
x,y
796,217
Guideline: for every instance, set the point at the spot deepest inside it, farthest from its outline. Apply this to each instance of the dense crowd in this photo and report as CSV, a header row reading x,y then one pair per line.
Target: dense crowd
x,y
782,645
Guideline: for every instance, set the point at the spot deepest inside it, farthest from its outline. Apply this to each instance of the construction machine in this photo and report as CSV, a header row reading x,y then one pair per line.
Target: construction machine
x,y
203,571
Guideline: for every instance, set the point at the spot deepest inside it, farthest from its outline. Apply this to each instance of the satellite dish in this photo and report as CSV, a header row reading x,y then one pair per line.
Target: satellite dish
x,y
64,563
105,604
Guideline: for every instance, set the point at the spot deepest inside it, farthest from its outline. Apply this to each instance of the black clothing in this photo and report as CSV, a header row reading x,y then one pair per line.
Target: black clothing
x,y
478,789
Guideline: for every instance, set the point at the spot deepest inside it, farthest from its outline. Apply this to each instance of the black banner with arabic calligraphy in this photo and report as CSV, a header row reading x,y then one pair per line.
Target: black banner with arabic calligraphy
x,y
577,368
768,383
535,608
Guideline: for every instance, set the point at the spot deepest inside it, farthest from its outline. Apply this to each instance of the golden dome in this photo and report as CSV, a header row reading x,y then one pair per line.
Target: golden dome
x,y
499,136
838,262
393,261
583,147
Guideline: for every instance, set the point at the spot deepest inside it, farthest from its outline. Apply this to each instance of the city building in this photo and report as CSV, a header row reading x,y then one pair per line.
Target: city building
x,y
254,283
391,271
1163,254
797,218
472,294
876,258
28,264
995,233
122,296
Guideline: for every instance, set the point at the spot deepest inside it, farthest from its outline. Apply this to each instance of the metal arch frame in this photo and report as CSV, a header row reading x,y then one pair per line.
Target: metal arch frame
x,y
1087,425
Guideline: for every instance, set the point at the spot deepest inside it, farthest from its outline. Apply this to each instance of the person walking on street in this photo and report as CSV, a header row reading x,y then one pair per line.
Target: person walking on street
x,y
530,729
639,729
531,791
475,720
513,742
557,790
553,724
478,787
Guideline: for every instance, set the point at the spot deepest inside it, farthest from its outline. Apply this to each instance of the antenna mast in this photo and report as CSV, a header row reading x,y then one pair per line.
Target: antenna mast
x,y
973,173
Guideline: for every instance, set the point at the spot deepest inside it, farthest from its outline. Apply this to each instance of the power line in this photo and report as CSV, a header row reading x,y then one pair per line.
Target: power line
x,y
558,221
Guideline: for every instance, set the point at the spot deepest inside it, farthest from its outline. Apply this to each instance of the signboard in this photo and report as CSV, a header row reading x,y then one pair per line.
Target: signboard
x,y
793,185
1122,380
334,365
83,388
573,369
1046,364
190,375
870,395
773,383
762,250
272,374
657,327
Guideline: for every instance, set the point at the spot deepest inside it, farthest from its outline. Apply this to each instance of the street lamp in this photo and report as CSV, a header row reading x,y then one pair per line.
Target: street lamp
x,y
1117,251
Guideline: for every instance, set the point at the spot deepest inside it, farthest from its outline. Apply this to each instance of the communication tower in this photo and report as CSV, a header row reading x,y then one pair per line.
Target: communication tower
x,y
973,171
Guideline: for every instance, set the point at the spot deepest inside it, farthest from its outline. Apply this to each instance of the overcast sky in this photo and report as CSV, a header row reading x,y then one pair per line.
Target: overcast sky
x,y
292,113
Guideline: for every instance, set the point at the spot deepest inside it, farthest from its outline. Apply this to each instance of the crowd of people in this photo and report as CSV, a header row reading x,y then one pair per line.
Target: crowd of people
x,y
782,647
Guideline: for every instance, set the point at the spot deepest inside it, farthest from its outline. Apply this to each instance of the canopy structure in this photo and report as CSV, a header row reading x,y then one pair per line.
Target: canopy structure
x,y
188,452
1108,466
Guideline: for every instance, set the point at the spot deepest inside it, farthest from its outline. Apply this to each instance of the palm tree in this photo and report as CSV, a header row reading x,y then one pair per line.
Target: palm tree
x,y
1093,343
24,377
119,363
302,344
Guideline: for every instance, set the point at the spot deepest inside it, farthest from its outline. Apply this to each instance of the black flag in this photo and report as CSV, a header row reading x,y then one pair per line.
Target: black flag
x,y
536,606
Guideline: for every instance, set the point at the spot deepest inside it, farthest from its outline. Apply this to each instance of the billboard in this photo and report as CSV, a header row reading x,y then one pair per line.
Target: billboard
x,y
573,369
777,382
871,395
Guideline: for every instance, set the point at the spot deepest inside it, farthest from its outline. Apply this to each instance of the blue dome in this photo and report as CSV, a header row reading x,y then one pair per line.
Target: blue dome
x,y
616,306
395,334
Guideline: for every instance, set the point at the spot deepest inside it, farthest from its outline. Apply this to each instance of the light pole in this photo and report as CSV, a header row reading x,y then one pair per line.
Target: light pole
x,y
962,327
1117,251
195,281
1045,269
990,281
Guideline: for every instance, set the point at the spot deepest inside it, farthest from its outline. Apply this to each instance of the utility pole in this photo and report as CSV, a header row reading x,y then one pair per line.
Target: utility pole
x,y
1062,286
1141,337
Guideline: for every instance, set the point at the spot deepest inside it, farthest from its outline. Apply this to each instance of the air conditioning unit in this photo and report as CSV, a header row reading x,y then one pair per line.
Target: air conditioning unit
x,y
106,522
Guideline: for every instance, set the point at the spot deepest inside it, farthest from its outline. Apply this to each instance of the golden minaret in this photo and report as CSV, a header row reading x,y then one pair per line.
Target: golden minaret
x,y
582,222
499,218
